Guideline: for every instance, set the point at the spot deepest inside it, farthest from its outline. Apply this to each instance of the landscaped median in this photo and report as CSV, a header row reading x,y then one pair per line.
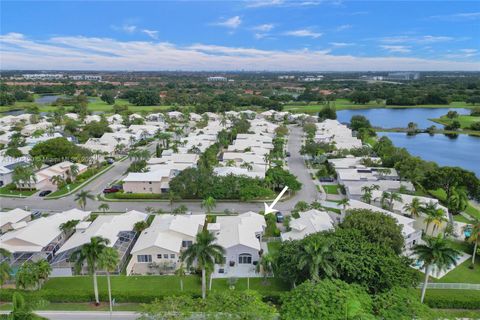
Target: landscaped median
x,y
15,193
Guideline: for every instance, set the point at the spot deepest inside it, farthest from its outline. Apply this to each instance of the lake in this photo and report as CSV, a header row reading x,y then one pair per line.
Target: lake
x,y
46,99
399,118
462,151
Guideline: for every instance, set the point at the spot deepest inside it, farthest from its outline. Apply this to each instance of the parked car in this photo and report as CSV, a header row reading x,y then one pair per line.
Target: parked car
x,y
288,154
279,216
44,193
36,214
117,186
110,160
110,190
326,179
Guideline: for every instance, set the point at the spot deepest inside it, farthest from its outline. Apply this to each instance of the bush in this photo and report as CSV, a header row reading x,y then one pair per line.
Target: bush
x,y
122,195
453,299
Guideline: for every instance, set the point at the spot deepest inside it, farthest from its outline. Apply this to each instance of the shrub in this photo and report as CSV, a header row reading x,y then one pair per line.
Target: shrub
x,y
453,299
122,195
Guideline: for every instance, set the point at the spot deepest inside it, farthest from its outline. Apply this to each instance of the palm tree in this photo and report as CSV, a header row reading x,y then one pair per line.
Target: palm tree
x,y
140,226
108,260
389,198
5,272
247,166
344,203
435,252
180,273
209,203
474,236
414,208
89,253
435,215
67,227
104,207
316,255
230,163
57,180
206,253
265,265
458,201
37,163
73,173
82,197
43,270
367,193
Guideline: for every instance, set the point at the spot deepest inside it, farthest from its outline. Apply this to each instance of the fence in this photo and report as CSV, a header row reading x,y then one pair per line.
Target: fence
x,y
467,286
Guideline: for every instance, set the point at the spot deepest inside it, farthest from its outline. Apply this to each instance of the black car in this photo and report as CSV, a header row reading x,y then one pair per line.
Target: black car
x,y
279,216
288,154
44,193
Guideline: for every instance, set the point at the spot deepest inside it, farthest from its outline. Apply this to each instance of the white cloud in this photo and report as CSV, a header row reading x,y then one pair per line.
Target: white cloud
x,y
232,23
151,33
128,28
396,49
304,33
85,53
416,39
341,44
264,3
457,16
287,3
463,54
264,27
343,27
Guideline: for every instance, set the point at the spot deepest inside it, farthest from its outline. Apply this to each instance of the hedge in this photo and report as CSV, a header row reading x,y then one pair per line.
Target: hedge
x,y
453,299
122,195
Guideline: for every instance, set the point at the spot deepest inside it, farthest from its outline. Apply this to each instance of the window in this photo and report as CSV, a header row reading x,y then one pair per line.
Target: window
x,y
172,256
186,244
144,258
245,258
165,256
159,256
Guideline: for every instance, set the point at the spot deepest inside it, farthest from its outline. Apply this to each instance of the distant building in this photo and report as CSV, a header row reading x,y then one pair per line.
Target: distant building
x,y
403,76
88,77
311,78
286,77
43,76
217,79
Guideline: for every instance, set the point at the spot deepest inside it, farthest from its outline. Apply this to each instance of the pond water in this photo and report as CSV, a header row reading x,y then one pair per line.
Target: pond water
x,y
462,151
399,118
46,99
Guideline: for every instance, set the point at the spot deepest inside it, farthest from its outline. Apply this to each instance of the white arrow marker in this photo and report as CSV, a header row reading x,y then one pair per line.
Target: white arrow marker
x,y
269,208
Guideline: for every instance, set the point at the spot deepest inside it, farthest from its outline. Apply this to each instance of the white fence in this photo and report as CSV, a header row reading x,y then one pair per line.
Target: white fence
x,y
468,286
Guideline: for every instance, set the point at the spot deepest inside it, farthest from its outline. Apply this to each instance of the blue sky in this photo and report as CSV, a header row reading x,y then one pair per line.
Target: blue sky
x,y
232,35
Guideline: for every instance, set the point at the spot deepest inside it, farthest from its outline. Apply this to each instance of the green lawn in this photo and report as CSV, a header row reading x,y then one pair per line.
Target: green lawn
x,y
345,104
80,307
463,274
7,192
155,285
63,190
465,121
331,188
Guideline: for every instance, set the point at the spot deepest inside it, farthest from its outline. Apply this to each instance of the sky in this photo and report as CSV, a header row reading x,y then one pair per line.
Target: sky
x,y
274,35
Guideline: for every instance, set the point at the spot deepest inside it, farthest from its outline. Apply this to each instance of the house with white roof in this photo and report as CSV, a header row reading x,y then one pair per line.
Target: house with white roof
x,y
160,117
115,119
14,219
159,247
309,222
237,171
410,234
156,181
39,238
240,237
91,118
43,178
351,162
116,228
7,165
177,115
332,131
29,129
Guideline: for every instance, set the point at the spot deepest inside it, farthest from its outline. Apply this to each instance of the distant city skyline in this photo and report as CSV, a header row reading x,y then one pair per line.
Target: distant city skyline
x,y
257,35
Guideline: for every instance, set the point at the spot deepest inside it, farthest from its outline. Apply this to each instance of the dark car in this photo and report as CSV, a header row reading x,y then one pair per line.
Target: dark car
x,y
110,160
279,216
36,214
326,179
110,190
44,193
288,154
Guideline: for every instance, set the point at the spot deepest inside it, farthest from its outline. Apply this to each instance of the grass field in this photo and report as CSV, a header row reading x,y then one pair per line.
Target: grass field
x,y
463,274
465,121
345,104
330,188
7,192
156,284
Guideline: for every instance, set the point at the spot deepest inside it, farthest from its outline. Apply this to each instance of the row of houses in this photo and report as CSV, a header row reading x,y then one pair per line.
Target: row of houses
x,y
333,132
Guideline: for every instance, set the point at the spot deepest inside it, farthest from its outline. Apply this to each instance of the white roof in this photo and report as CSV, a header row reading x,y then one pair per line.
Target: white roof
x,y
40,232
311,221
236,171
407,199
240,230
168,231
154,176
105,226
13,216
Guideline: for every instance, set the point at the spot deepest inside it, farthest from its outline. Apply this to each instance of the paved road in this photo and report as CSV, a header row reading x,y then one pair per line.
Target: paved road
x,y
85,315
295,163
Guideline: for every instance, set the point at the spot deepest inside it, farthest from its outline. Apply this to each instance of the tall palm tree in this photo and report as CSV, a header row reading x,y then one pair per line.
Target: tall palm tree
x,y
388,199
180,273
414,208
206,253
474,238
90,253
82,197
435,216
73,172
68,227
316,255
104,207
458,201
435,252
265,265
108,260
209,204
5,272
57,180
344,203
43,270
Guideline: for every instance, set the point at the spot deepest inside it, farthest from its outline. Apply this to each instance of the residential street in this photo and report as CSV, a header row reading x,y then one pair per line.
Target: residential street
x,y
295,163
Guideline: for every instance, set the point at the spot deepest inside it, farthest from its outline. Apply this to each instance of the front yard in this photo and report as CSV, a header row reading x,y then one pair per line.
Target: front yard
x,y
331,188
6,191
